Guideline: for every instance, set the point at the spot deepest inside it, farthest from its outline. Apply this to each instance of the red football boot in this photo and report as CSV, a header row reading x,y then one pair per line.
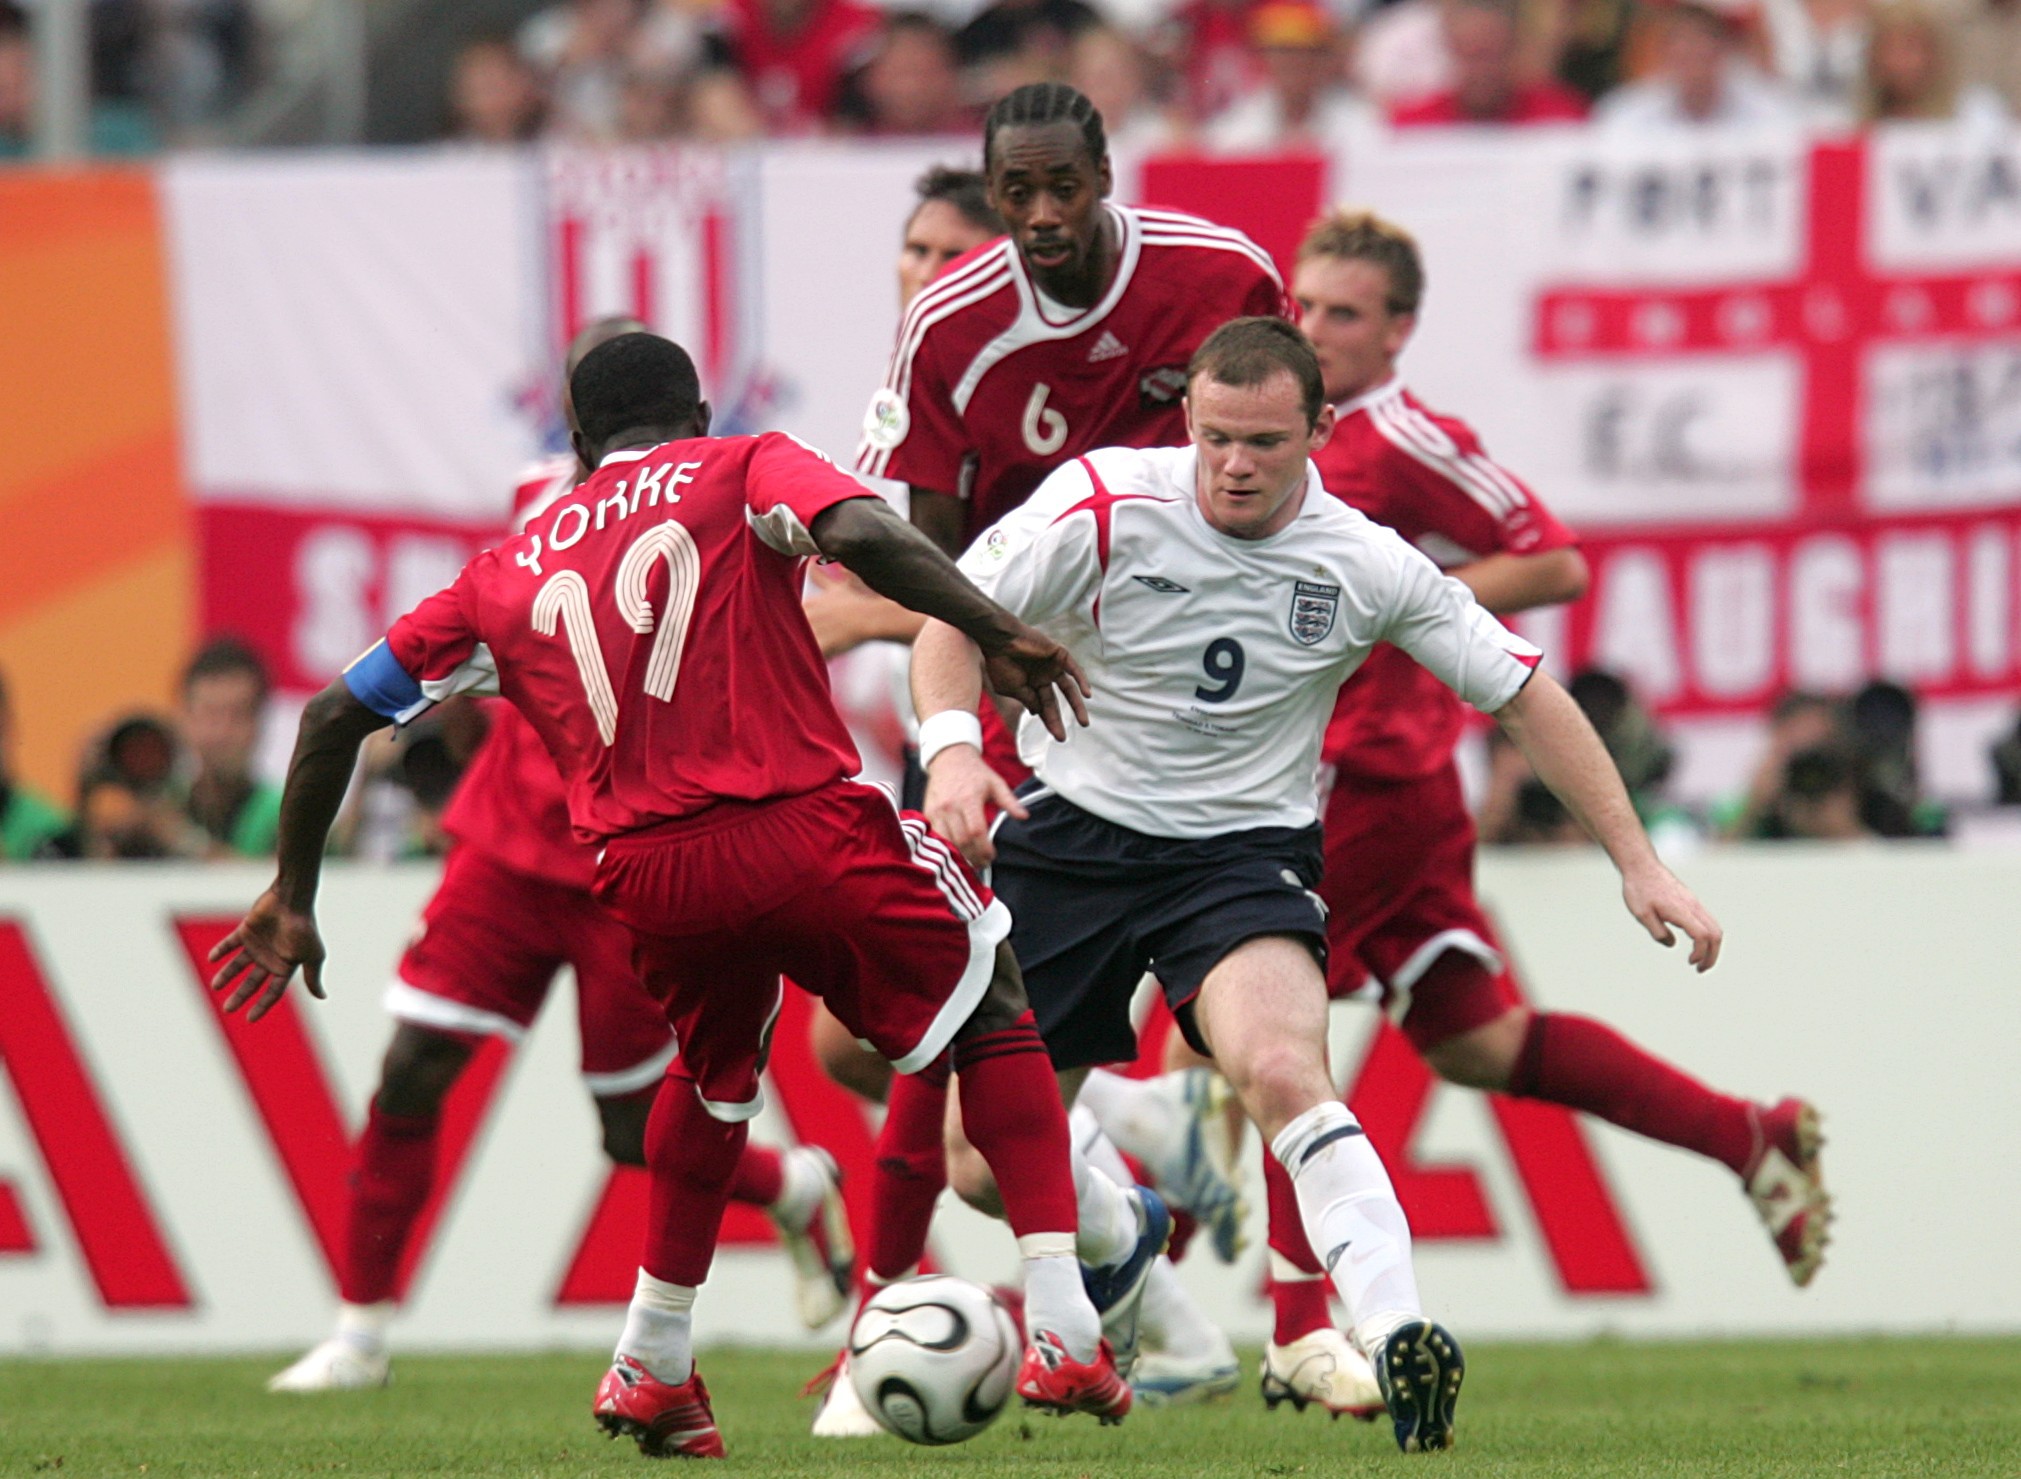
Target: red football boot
x,y
667,1422
1053,1380
1785,1181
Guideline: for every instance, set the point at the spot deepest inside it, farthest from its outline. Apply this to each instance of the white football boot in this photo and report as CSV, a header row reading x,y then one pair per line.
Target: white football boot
x,y
337,1365
1322,1367
841,1413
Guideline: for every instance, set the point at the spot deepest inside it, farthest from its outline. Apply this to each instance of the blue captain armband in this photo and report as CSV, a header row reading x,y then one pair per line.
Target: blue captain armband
x,y
378,682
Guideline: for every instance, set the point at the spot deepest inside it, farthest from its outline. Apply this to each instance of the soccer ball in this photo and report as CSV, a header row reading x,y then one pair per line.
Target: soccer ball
x,y
933,1359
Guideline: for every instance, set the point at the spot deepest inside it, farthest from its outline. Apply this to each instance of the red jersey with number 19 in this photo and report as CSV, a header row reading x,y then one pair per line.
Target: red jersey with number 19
x,y
649,626
993,385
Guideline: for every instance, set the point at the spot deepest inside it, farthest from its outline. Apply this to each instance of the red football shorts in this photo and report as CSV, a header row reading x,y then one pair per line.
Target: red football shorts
x,y
855,902
1399,892
491,940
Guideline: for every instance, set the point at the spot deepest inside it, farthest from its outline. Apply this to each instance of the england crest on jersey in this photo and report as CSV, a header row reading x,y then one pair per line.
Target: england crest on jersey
x,y
1313,608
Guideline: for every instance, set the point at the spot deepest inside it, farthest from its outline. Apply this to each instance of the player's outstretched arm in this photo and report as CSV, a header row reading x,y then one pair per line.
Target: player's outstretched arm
x,y
278,934
961,788
896,560
1562,747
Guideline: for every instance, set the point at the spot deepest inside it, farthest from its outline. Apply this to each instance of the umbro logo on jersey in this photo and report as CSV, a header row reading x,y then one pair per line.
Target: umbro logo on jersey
x,y
1106,347
1159,584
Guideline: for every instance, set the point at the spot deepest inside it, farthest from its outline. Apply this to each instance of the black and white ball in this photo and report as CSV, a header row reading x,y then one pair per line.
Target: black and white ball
x,y
934,1359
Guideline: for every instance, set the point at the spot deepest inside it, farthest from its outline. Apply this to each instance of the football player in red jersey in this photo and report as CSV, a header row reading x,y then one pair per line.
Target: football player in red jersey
x,y
649,628
1404,923
513,906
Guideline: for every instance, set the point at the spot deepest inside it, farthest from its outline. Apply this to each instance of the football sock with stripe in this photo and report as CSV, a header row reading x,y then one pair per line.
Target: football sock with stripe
x,y
1297,1282
391,1177
1351,1218
659,1329
1140,1119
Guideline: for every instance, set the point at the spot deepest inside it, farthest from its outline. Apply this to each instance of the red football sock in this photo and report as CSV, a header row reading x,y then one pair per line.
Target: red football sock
x,y
1299,1305
908,1173
391,1176
692,1157
1011,1110
760,1177
1587,1065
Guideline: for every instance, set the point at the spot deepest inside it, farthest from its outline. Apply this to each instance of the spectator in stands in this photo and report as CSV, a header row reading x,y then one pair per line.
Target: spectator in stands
x,y
126,801
1799,722
1986,35
1011,42
1703,78
2005,755
117,125
1819,800
494,96
912,83
1400,54
1819,50
1880,724
1113,73
793,55
717,108
1912,72
29,821
1489,85
224,698
579,50
1205,45
1305,101
1587,43
649,106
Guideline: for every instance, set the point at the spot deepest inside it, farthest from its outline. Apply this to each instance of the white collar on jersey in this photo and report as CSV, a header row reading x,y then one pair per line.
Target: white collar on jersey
x,y
1057,315
627,454
1393,386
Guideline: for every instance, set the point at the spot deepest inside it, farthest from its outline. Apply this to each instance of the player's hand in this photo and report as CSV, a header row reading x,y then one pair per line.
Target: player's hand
x,y
1658,900
262,954
961,791
1036,671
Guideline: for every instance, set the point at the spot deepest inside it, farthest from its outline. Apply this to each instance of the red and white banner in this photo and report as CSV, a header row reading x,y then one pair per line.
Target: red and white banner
x,y
1776,384
173,1180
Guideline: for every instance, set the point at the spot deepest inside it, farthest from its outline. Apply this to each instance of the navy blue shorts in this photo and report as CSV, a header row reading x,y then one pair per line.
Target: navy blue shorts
x,y
1094,905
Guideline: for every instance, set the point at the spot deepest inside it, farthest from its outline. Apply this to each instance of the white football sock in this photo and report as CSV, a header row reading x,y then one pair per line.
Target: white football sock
x,y
1139,1115
805,1177
1108,1215
363,1326
660,1329
1352,1218
1055,1300
1173,1325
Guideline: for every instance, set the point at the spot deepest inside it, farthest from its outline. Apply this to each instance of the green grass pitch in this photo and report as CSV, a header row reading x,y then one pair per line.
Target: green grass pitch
x,y
1757,1408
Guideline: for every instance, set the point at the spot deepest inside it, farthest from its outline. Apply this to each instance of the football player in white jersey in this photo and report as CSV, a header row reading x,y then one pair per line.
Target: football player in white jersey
x,y
1217,598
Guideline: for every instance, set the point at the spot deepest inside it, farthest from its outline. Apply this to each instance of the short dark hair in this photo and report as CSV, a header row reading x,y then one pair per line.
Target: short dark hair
x,y
1040,103
634,380
224,657
964,189
1247,352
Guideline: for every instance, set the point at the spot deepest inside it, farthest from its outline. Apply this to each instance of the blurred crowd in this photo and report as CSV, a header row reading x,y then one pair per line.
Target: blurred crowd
x,y
1831,769
1232,75
1220,75
188,785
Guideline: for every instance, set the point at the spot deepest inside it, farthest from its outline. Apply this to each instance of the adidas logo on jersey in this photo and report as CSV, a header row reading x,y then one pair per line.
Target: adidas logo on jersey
x,y
1159,584
1106,347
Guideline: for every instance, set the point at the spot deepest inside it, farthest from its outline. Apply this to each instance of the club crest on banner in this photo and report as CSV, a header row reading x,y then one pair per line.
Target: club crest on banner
x,y
1313,608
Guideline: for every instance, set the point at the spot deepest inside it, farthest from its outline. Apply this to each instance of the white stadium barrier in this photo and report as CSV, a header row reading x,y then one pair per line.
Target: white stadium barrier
x,y
166,1186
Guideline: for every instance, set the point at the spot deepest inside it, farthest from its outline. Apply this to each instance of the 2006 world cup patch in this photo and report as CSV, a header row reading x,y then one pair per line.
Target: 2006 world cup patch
x,y
887,421
1313,608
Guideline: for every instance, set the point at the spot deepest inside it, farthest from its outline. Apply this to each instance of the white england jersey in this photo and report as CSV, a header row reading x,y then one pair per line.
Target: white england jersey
x,y
1214,660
